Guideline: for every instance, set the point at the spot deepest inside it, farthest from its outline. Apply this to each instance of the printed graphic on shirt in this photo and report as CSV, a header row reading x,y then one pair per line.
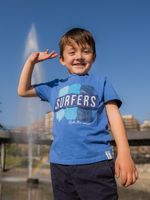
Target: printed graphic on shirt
x,y
76,103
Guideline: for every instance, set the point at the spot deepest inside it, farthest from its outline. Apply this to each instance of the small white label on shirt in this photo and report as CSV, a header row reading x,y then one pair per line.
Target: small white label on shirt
x,y
108,154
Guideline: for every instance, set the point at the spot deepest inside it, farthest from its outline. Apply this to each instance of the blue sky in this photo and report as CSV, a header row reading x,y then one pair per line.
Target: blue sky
x,y
122,32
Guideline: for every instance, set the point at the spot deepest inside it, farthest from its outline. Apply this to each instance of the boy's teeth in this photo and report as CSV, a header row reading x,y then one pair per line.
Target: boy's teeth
x,y
79,64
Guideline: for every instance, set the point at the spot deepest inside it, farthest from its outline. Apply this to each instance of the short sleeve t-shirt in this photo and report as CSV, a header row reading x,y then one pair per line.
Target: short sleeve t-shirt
x,y
80,127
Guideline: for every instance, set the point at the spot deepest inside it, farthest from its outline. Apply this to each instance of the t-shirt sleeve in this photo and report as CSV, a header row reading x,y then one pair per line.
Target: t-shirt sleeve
x,y
44,90
110,94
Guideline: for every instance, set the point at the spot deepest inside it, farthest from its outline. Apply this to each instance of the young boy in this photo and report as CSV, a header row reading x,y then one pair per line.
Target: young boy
x,y
82,166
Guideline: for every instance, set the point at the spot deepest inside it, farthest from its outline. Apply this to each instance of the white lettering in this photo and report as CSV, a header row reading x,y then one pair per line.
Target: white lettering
x,y
93,99
79,100
86,100
57,104
73,98
67,98
61,102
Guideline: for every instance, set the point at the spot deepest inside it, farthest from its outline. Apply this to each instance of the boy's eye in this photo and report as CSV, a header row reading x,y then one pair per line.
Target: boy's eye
x,y
87,51
71,52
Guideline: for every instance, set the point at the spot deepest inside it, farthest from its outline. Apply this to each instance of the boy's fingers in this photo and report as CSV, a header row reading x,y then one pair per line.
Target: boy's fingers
x,y
123,179
130,180
135,175
47,55
53,54
134,178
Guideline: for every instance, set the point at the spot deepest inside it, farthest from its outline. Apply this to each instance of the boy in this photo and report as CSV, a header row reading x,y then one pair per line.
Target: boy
x,y
82,166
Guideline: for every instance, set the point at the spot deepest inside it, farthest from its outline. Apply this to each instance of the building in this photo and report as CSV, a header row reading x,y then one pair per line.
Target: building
x,y
145,126
131,123
41,129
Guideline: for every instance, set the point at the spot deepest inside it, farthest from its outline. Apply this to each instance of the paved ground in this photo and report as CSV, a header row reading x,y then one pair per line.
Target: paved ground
x,y
143,183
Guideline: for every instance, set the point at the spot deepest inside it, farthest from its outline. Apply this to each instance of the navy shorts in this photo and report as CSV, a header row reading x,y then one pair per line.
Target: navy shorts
x,y
94,181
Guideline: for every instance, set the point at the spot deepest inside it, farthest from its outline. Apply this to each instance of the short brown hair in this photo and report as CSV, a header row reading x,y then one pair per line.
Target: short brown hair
x,y
79,36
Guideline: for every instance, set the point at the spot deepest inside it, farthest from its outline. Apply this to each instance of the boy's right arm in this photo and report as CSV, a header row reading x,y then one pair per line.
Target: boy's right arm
x,y
25,89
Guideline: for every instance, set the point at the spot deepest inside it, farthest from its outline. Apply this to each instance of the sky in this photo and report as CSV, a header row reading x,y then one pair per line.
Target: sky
x,y
121,29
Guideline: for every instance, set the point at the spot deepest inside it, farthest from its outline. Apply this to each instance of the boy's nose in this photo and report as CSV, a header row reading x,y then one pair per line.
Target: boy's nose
x,y
79,55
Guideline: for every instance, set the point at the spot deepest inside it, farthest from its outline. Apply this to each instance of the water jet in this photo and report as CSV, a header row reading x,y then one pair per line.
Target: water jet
x,y
32,103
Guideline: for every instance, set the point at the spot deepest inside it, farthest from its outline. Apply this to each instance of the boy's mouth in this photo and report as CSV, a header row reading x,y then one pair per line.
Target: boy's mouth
x,y
79,64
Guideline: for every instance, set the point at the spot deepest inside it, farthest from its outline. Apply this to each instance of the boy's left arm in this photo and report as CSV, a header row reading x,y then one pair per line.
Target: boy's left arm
x,y
124,165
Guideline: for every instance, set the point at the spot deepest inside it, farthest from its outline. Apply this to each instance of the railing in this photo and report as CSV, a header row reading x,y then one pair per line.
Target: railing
x,y
134,138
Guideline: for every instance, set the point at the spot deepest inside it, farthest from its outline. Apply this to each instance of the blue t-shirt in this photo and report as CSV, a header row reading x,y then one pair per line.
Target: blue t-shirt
x,y
80,129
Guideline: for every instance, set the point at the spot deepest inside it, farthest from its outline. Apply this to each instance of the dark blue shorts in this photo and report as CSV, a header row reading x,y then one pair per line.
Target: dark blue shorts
x,y
94,181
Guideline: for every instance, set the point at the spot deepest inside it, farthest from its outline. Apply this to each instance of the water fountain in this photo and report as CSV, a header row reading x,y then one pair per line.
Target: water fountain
x,y
18,182
31,104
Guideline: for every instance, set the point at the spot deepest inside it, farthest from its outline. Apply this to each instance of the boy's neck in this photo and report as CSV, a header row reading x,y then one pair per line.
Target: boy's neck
x,y
74,74
70,74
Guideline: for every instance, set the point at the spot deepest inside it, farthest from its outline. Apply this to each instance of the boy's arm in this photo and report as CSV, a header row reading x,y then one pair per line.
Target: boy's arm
x,y
25,89
124,165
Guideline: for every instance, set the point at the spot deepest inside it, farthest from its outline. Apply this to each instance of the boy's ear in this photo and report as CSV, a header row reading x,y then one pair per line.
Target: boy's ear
x,y
61,60
94,57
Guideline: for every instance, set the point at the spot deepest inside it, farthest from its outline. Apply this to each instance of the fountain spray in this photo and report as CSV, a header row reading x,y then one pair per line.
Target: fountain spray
x,y
31,103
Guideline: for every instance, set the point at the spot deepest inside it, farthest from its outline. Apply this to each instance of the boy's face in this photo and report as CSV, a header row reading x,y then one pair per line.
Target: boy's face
x,y
77,59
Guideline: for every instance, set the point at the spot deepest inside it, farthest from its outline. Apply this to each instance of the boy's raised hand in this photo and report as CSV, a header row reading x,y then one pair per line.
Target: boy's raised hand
x,y
41,56
25,88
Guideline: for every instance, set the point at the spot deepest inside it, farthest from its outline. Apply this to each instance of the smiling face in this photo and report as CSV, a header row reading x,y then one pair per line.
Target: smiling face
x,y
77,50
78,59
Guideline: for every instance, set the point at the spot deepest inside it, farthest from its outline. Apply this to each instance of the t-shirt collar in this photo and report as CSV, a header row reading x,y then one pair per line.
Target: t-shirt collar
x,y
77,75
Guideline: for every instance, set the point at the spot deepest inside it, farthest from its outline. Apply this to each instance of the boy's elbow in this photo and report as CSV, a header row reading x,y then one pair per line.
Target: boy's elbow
x,y
26,93
20,93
